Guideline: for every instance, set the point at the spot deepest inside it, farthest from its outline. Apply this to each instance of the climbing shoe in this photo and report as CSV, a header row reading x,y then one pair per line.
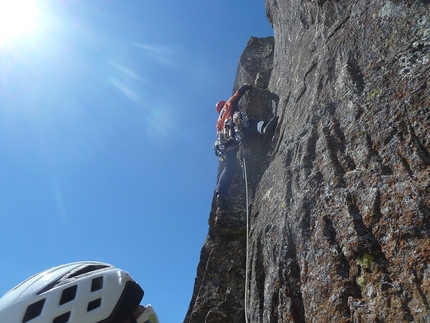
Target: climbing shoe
x,y
270,126
220,201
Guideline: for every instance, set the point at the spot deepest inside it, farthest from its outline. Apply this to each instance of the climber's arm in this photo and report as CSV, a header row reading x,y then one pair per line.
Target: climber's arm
x,y
234,100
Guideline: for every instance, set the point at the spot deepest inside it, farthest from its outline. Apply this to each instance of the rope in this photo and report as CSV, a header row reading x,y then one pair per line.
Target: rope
x,y
247,236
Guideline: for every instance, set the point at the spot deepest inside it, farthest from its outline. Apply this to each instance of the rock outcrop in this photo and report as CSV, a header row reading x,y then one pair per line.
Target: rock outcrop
x,y
339,197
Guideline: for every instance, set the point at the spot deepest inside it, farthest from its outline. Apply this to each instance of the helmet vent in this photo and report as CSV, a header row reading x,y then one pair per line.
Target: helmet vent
x,y
68,295
48,287
97,284
87,269
64,318
33,310
94,304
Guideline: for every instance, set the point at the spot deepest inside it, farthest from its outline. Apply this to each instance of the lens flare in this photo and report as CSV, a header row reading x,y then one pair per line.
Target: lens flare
x,y
16,18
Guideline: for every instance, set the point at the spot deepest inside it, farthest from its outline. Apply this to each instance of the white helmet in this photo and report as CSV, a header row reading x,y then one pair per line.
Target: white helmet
x,y
80,292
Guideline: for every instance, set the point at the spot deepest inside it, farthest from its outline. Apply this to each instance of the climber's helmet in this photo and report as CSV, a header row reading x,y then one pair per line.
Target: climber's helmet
x,y
219,106
80,292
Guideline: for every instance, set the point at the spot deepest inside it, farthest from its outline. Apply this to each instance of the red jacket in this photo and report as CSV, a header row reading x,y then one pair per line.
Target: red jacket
x,y
231,106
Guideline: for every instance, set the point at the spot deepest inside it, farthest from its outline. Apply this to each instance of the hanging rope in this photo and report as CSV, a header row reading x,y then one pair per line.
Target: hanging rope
x,y
243,164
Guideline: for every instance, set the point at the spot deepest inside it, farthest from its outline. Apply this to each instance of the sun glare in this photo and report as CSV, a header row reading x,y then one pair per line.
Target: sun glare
x,y
16,18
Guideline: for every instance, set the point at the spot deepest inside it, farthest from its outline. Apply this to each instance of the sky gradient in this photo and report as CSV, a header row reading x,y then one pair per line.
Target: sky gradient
x,y
107,121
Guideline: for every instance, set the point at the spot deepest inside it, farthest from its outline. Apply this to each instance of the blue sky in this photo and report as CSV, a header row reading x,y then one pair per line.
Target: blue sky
x,y
107,122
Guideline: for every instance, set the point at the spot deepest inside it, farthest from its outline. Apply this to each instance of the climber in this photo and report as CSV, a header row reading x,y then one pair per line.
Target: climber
x,y
232,126
80,292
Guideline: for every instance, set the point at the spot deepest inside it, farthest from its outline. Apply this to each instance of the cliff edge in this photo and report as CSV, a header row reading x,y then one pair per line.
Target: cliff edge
x,y
339,197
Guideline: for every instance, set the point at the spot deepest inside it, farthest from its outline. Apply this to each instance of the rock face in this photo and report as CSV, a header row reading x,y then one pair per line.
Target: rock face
x,y
339,197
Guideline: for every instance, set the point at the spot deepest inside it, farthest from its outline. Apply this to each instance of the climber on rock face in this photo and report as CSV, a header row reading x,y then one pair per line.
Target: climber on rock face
x,y
232,127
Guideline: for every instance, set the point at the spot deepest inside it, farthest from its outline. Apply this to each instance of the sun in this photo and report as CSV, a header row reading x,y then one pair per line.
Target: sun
x,y
16,18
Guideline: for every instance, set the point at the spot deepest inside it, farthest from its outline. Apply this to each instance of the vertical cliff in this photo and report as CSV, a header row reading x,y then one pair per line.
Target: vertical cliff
x,y
339,210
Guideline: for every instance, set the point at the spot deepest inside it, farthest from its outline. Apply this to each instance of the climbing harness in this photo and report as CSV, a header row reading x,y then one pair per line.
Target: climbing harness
x,y
243,165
